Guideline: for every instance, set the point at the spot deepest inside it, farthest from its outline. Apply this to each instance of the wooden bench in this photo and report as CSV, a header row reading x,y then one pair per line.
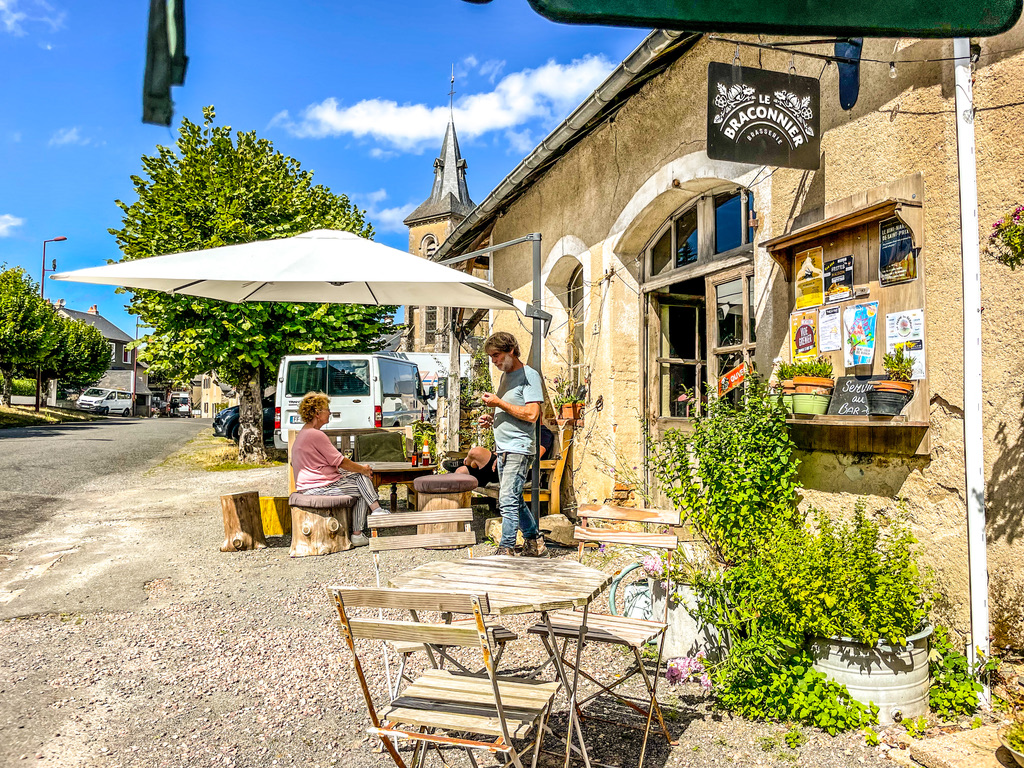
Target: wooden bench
x,y
552,473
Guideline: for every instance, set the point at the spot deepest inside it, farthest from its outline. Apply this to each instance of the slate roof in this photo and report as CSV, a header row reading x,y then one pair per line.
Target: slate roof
x,y
110,331
450,194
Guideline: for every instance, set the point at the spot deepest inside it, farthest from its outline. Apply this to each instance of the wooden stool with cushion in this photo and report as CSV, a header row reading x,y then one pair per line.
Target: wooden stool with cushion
x,y
440,492
320,524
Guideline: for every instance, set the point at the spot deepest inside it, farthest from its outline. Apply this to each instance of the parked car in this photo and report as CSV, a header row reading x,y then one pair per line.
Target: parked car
x,y
225,423
105,401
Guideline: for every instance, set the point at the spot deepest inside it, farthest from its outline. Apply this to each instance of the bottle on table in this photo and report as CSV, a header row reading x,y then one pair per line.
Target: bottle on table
x,y
426,451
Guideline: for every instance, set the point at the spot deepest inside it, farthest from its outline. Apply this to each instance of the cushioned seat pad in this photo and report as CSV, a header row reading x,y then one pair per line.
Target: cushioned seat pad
x,y
451,483
320,502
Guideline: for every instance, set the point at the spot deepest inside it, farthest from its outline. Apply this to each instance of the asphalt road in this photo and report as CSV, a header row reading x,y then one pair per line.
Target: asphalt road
x,y
42,467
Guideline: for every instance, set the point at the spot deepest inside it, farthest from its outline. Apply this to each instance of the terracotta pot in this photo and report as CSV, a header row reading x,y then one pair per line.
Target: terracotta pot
x,y
788,387
812,385
572,411
903,387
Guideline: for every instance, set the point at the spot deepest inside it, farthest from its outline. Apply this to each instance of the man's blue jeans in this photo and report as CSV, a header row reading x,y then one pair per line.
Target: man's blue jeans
x,y
515,515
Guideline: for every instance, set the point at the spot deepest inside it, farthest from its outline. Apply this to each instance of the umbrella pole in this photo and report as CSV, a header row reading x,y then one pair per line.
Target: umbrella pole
x,y
536,345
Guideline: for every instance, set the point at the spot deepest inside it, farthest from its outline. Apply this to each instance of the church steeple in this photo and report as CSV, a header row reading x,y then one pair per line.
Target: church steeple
x,y
449,197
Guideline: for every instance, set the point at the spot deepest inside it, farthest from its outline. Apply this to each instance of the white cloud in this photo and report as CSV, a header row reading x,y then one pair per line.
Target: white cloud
x,y
519,142
383,219
382,154
9,222
544,94
470,61
15,14
66,136
492,69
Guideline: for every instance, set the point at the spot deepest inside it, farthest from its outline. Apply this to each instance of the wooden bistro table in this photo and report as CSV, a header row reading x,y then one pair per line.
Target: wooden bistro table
x,y
517,585
395,473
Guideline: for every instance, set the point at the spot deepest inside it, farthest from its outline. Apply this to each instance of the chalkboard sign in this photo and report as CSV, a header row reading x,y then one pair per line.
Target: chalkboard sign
x,y
849,398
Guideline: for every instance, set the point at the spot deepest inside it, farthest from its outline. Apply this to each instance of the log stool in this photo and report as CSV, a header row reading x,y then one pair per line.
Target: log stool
x,y
320,524
243,524
436,492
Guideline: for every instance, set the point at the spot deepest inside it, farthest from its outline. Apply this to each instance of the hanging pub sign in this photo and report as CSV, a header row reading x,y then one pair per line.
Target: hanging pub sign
x,y
897,256
762,117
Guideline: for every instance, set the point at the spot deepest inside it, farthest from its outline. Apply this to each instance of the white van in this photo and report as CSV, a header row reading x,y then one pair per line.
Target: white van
x,y
104,401
366,391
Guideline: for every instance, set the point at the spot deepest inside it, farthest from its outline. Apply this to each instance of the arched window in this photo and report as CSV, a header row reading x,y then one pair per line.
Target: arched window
x,y
428,245
574,302
699,286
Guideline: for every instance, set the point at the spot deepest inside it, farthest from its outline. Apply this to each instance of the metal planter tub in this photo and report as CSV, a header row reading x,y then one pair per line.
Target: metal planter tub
x,y
895,678
816,405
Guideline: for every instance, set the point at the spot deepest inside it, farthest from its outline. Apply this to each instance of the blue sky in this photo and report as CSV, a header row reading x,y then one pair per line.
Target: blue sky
x,y
356,91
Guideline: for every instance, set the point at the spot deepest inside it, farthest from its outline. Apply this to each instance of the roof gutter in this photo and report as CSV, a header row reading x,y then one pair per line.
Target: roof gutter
x,y
653,46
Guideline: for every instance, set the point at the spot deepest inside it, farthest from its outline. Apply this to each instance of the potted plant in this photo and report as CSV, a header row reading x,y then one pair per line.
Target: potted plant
x,y
889,397
813,383
1006,242
785,384
1012,737
569,398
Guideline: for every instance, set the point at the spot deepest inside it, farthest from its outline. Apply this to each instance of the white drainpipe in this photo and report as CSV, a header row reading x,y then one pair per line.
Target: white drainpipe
x,y
974,439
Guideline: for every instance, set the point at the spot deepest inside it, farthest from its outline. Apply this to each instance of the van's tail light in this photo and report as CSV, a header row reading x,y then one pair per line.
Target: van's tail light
x,y
277,418
378,416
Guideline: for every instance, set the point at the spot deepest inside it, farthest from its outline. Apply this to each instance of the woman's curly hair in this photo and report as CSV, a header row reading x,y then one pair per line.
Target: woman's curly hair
x,y
311,404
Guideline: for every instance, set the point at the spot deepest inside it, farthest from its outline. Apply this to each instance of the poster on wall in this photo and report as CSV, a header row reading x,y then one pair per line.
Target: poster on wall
x,y
804,335
859,336
906,329
809,279
830,331
839,279
763,117
897,256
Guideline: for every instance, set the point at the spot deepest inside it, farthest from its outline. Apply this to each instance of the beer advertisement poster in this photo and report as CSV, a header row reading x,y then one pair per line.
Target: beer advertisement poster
x,y
809,280
804,335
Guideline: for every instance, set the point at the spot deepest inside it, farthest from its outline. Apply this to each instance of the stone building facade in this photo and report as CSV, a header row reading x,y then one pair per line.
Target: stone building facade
x,y
630,166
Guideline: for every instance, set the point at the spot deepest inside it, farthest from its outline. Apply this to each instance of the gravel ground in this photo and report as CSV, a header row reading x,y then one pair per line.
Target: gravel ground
x,y
219,659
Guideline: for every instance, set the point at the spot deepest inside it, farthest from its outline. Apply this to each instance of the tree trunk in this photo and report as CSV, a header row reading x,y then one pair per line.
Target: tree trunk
x,y
8,384
250,418
320,531
243,522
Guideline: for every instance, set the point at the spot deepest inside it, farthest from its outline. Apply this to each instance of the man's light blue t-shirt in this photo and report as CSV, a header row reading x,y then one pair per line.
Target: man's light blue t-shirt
x,y
512,435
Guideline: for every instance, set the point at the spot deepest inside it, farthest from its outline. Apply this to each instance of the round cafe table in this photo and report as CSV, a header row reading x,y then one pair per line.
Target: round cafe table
x,y
395,473
516,585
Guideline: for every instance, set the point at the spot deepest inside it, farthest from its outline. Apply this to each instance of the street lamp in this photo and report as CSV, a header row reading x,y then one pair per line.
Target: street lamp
x,y
42,290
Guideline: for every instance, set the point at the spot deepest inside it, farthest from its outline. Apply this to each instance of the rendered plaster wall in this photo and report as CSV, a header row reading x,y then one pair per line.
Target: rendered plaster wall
x,y
604,199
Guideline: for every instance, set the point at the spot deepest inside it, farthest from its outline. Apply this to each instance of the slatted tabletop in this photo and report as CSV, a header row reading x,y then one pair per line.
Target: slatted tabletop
x,y
513,584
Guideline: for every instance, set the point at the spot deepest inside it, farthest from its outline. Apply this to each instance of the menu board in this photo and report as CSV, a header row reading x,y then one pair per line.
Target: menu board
x,y
850,396
839,279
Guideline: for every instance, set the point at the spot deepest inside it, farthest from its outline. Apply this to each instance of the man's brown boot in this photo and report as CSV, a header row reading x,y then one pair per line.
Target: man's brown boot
x,y
506,551
535,548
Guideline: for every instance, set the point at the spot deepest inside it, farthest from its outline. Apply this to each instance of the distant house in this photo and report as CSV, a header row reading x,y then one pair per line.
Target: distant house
x,y
122,359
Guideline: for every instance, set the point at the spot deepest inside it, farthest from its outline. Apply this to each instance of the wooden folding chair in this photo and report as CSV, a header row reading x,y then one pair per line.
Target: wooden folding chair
x,y
443,707
618,630
464,538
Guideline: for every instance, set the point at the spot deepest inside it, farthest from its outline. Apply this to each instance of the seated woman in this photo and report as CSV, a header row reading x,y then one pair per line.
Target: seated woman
x,y
321,470
481,462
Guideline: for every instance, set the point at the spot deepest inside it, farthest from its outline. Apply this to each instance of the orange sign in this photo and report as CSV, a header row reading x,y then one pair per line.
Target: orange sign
x,y
732,379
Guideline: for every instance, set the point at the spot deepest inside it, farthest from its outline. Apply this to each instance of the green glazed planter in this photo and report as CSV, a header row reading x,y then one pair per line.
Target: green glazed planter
x,y
816,405
787,401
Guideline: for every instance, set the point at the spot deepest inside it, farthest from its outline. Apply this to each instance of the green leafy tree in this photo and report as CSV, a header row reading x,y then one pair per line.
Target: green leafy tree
x,y
28,327
80,357
214,190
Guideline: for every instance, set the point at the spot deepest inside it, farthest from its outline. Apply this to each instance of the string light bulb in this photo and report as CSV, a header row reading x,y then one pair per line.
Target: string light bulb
x,y
892,70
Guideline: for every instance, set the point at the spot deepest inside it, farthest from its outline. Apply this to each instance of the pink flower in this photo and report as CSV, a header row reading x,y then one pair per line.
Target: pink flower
x,y
705,681
673,673
652,565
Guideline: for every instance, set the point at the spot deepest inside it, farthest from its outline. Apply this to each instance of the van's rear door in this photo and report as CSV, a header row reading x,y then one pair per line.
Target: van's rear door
x,y
349,385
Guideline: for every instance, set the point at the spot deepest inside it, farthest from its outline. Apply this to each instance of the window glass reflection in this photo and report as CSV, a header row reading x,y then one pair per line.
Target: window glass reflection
x,y
661,253
729,300
728,224
686,238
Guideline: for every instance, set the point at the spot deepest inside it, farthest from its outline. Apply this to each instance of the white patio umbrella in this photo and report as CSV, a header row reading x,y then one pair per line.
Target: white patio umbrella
x,y
321,266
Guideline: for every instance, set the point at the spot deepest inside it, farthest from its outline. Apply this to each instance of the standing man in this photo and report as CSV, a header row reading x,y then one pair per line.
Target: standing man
x,y
517,407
